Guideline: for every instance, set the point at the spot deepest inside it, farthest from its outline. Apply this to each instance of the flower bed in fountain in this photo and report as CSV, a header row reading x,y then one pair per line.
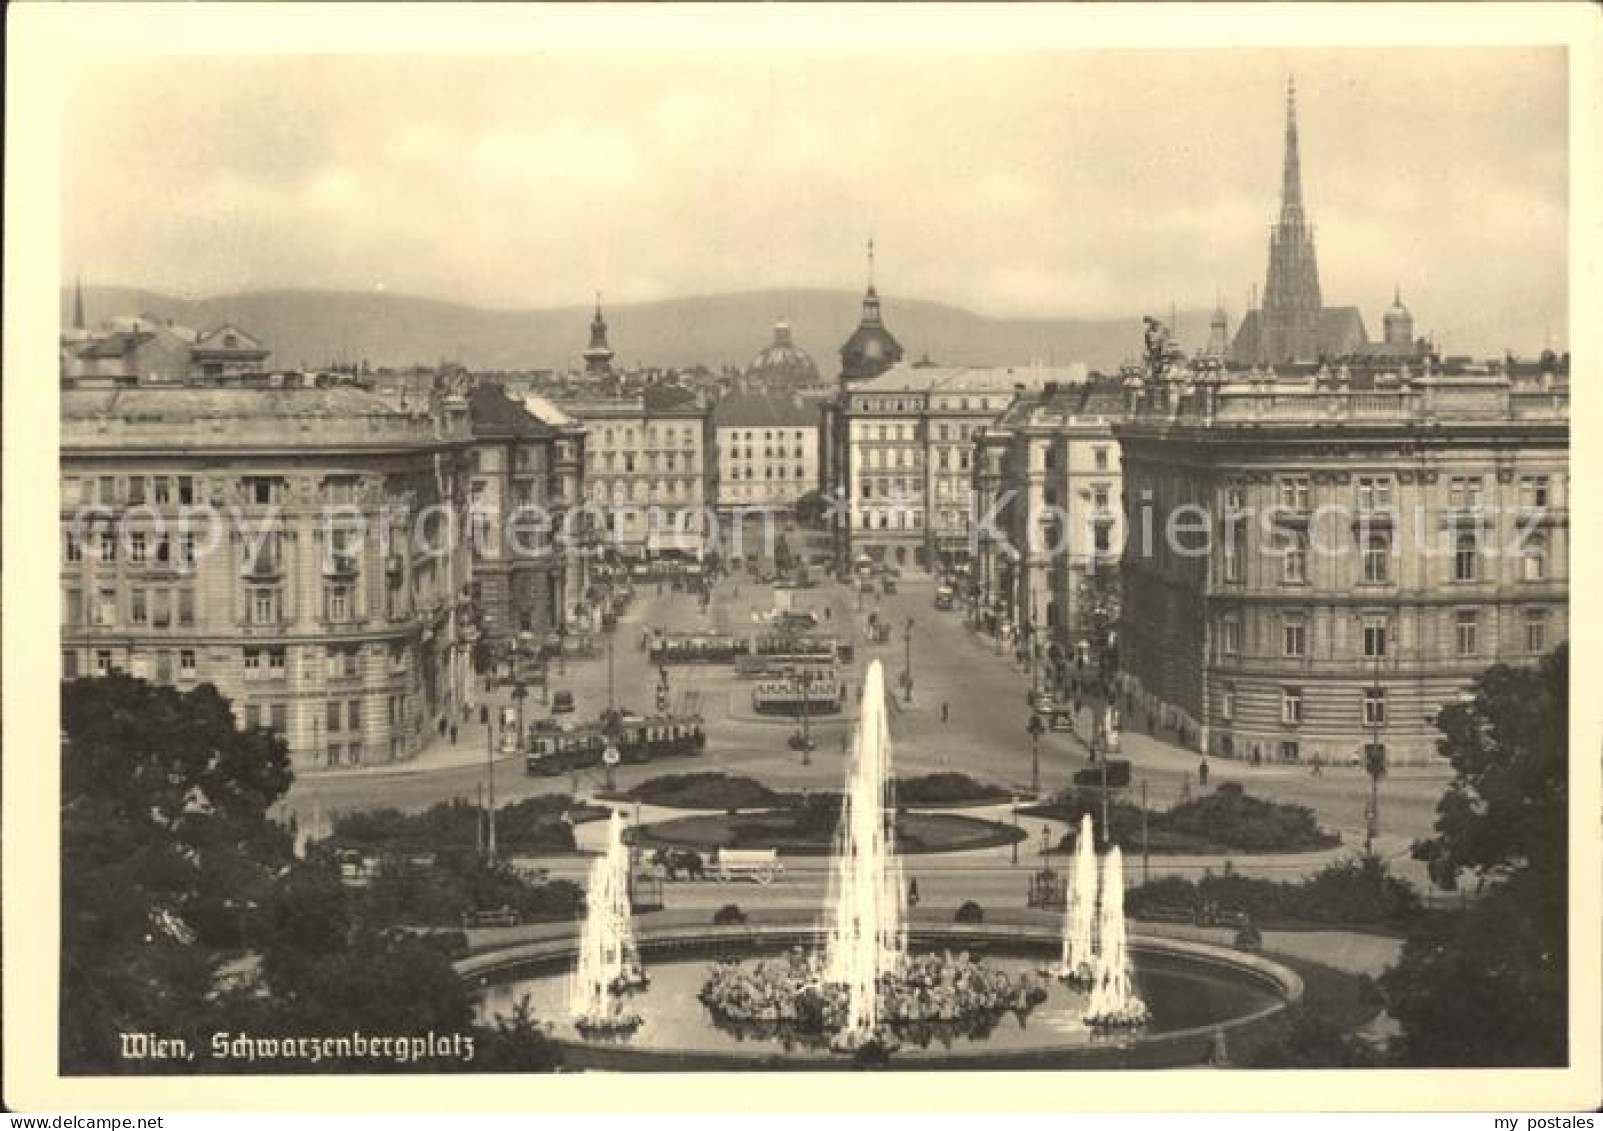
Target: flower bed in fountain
x,y
934,997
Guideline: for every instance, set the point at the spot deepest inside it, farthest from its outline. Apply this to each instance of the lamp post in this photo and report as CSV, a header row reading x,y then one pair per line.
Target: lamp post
x,y
907,638
1015,829
489,766
1374,761
1035,727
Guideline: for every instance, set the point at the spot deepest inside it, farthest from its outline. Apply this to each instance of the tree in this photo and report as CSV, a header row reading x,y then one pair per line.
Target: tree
x,y
167,852
1486,985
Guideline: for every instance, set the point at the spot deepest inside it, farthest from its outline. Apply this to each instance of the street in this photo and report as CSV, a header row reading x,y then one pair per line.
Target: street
x,y
983,735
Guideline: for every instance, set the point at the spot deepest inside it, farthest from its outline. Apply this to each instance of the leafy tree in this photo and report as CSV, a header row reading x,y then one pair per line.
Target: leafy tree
x,y
167,853
1487,985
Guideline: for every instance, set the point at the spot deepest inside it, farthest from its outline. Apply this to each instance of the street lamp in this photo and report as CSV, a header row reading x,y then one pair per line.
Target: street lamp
x,y
1035,727
907,638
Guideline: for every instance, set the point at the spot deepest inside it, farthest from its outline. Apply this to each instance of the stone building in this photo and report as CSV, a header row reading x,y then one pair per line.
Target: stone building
x,y
1048,491
521,472
905,449
765,452
1318,558
297,547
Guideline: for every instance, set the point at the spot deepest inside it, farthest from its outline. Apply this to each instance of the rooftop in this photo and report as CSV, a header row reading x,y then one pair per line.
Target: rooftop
x,y
967,379
763,410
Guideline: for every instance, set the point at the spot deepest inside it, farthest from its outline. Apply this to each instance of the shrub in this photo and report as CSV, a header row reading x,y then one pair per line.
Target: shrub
x,y
1358,889
708,789
970,912
729,913
935,789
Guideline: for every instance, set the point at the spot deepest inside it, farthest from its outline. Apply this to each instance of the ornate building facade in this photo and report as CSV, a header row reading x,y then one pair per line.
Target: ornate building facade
x,y
299,548
1316,561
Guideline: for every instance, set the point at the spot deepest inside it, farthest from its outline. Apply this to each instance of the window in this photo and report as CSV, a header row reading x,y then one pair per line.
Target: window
x,y
186,606
1289,752
1377,558
1464,492
1294,639
353,715
161,490
1294,493
1294,558
1291,706
72,607
103,664
1374,640
333,715
253,663
275,663
186,489
1235,500
161,607
1374,707
106,607
1230,636
1227,703
186,549
264,606
69,664
1099,458
186,663
1374,493
1233,545
136,548
253,715
1533,558
108,548
278,717
1466,556
136,490
1534,491
1467,632
1536,630
337,603
164,666
74,548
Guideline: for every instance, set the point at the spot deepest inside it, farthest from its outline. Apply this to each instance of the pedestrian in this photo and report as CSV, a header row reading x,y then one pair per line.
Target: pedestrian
x,y
442,726
945,711
1202,773
453,734
912,892
484,714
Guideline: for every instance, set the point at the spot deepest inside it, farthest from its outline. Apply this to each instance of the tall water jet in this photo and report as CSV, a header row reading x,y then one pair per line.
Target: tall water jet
x,y
609,962
866,936
1114,1003
1080,909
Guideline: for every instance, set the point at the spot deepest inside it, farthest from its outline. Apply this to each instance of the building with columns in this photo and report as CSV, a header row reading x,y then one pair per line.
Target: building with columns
x,y
1318,558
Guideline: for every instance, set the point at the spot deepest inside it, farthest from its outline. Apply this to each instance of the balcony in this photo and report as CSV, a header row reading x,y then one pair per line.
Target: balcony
x,y
341,565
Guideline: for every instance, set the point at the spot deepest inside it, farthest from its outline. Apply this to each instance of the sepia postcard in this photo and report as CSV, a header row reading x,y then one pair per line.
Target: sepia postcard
x,y
995,553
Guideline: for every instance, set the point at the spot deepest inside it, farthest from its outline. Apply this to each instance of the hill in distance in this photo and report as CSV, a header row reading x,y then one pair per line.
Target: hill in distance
x,y
319,328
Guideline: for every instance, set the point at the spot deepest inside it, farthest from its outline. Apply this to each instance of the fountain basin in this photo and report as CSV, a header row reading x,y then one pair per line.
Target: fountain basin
x,y
1196,990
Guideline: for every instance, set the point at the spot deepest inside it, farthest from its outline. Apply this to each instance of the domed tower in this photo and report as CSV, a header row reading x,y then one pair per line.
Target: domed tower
x,y
782,363
871,349
1399,325
598,357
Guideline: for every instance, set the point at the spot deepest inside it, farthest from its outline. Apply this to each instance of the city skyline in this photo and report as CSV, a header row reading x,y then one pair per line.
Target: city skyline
x,y
705,174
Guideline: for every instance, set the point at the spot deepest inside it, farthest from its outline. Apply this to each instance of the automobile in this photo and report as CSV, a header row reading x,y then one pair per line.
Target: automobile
x,y
561,702
865,586
943,597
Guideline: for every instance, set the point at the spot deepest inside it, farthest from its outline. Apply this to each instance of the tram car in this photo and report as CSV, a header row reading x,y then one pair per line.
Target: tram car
x,y
554,749
697,648
822,696
785,646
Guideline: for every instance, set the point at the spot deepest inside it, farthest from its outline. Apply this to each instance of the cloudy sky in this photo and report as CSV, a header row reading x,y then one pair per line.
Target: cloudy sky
x,y
1047,183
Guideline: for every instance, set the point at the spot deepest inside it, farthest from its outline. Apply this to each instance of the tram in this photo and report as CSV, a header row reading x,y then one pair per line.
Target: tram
x,y
553,749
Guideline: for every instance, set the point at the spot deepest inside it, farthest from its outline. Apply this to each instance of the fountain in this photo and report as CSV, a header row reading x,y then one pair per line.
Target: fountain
x,y
609,963
1114,1004
866,940
1080,910
851,981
